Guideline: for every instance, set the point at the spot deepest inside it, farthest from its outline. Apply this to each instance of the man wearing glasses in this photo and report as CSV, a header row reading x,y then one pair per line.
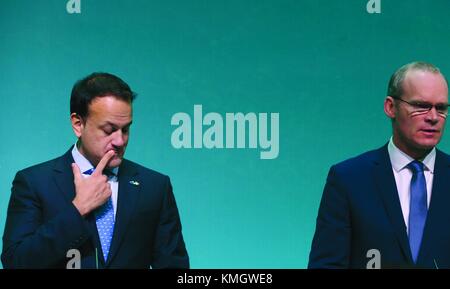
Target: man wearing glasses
x,y
390,208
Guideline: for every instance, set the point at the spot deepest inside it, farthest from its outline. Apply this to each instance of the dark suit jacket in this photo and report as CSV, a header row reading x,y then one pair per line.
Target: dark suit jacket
x,y
360,210
42,223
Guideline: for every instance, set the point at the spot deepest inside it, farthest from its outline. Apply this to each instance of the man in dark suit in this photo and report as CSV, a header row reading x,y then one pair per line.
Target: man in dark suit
x,y
390,208
113,212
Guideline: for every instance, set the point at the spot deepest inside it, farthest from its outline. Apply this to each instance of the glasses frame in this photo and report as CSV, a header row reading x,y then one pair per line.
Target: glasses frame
x,y
420,109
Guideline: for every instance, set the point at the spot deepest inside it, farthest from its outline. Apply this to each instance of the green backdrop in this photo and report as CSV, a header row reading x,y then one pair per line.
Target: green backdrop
x,y
322,65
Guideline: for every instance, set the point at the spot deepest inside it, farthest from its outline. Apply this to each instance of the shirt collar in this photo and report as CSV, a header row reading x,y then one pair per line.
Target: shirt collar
x,y
84,164
400,160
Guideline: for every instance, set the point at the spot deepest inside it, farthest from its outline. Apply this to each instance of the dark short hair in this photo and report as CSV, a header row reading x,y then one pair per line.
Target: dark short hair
x,y
98,84
395,87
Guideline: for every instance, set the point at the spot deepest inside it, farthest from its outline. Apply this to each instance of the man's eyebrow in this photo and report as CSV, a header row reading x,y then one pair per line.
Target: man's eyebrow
x,y
424,101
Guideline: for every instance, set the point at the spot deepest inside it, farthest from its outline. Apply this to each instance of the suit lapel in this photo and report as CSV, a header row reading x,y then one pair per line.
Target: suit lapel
x,y
128,194
438,209
387,188
63,176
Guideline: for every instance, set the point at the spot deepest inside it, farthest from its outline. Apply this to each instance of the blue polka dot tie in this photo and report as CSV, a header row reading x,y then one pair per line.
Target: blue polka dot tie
x,y
104,218
417,207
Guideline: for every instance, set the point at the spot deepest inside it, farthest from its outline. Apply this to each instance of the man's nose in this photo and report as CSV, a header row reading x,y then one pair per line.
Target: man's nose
x,y
119,139
432,115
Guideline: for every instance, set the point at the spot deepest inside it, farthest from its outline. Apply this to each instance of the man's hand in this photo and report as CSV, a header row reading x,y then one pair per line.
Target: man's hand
x,y
94,191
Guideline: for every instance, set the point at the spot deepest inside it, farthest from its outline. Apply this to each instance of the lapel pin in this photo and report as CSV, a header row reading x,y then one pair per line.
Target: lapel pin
x,y
134,183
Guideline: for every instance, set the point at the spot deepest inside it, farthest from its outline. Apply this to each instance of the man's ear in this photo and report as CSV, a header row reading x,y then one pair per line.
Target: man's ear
x,y
389,107
77,124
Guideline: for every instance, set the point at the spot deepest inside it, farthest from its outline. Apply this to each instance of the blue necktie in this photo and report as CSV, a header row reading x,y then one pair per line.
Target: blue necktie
x,y
417,207
104,218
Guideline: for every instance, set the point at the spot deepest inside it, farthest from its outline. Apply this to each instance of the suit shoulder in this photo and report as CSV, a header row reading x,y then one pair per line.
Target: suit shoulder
x,y
360,162
443,155
40,168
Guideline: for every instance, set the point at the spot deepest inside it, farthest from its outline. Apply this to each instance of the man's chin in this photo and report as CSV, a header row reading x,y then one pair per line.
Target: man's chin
x,y
427,145
115,162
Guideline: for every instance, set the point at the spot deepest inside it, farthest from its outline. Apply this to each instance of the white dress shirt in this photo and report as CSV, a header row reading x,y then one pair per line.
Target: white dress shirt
x,y
85,165
403,175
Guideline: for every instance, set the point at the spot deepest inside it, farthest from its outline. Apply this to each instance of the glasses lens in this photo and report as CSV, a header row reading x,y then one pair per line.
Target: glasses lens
x,y
442,109
421,106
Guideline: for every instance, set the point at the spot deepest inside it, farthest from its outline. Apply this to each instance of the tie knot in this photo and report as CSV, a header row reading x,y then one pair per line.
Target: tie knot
x,y
416,166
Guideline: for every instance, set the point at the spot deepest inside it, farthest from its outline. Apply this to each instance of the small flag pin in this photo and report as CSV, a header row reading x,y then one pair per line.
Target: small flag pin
x,y
134,183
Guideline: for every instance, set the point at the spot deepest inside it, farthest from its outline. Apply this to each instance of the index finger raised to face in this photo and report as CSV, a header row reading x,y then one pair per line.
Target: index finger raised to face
x,y
103,162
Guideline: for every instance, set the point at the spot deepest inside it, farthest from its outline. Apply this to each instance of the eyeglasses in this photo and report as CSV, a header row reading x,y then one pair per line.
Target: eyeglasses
x,y
425,107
